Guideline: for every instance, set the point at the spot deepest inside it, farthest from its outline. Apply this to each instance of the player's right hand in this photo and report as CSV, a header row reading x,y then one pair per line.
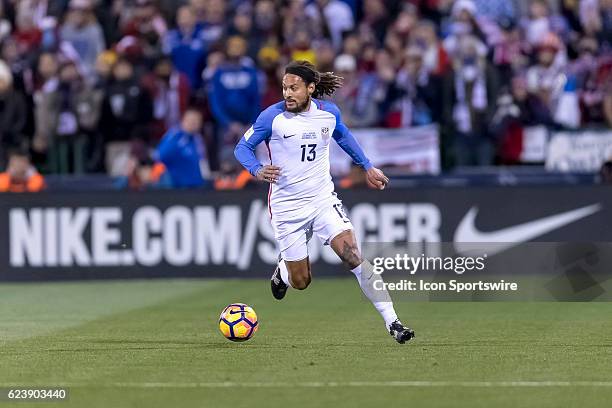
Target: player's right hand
x,y
376,178
269,173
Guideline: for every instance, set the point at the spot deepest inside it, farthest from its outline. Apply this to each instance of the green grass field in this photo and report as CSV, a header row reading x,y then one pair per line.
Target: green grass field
x,y
156,344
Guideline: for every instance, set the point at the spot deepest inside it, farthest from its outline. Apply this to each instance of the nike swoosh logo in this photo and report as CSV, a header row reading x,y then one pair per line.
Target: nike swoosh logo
x,y
235,311
287,137
497,241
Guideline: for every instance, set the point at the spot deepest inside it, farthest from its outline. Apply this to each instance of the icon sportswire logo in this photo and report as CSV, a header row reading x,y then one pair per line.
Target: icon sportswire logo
x,y
508,237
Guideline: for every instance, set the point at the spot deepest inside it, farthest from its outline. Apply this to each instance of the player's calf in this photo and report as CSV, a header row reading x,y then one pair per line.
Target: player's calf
x,y
300,283
299,273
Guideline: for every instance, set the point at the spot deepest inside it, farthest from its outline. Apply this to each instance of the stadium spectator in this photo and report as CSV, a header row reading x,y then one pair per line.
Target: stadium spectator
x,y
353,114
148,26
586,63
435,58
335,15
464,24
325,56
20,176
589,71
50,35
20,66
266,22
511,116
186,47
376,18
296,22
542,21
370,40
468,97
47,67
45,80
242,26
508,51
83,32
268,61
383,96
27,35
300,46
5,24
104,68
141,172
69,114
213,61
126,114
546,80
182,152
604,34
13,113
352,45
417,91
394,46
170,92
199,9
234,97
212,15
368,90
22,70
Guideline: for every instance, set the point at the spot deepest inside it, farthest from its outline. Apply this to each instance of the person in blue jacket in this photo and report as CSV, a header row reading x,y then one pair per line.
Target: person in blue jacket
x,y
182,151
234,96
186,46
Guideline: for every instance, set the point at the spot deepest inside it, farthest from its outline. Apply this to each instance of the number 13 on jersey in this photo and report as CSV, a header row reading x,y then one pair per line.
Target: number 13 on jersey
x,y
310,156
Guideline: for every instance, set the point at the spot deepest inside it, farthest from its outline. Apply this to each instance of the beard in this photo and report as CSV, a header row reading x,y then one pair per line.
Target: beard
x,y
298,107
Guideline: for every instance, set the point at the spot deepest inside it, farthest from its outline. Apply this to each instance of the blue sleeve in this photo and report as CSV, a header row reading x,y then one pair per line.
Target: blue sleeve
x,y
168,147
215,95
345,139
260,131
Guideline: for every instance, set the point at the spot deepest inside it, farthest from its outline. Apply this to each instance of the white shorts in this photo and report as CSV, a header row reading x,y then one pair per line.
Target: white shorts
x,y
327,221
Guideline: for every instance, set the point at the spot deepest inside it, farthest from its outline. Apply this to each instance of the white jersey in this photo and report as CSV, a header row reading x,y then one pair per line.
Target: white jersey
x,y
298,143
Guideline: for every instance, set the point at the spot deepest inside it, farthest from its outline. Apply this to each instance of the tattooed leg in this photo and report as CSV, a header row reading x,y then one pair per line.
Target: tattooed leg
x,y
345,245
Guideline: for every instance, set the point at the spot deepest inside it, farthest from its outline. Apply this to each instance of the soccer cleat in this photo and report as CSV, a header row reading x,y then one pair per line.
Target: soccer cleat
x,y
400,333
279,288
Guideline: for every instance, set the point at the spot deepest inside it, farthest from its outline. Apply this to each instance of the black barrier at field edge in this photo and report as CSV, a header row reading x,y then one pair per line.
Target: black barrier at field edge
x,y
101,235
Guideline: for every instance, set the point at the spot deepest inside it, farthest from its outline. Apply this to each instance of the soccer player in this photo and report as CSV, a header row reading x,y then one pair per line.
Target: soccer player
x,y
301,199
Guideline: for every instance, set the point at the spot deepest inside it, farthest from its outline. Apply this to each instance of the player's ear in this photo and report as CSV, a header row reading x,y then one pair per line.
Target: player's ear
x,y
311,88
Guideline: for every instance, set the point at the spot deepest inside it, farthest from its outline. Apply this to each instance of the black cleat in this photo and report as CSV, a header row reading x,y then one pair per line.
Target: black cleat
x,y
400,333
279,288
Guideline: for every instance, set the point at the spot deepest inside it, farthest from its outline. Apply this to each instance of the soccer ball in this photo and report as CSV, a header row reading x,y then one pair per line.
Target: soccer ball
x,y
238,322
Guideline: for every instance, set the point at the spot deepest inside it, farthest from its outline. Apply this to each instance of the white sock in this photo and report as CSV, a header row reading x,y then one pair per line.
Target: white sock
x,y
284,272
379,298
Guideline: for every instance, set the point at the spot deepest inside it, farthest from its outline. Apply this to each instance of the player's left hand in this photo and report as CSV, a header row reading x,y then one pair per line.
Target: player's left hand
x,y
376,178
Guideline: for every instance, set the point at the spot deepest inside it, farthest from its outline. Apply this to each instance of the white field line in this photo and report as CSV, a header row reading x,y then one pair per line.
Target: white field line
x,y
330,384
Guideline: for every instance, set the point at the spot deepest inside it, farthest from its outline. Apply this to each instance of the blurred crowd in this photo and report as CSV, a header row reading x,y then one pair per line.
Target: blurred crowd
x,y
157,92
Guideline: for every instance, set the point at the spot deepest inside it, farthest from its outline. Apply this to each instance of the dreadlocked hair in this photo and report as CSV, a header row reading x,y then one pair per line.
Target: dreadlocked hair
x,y
326,83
